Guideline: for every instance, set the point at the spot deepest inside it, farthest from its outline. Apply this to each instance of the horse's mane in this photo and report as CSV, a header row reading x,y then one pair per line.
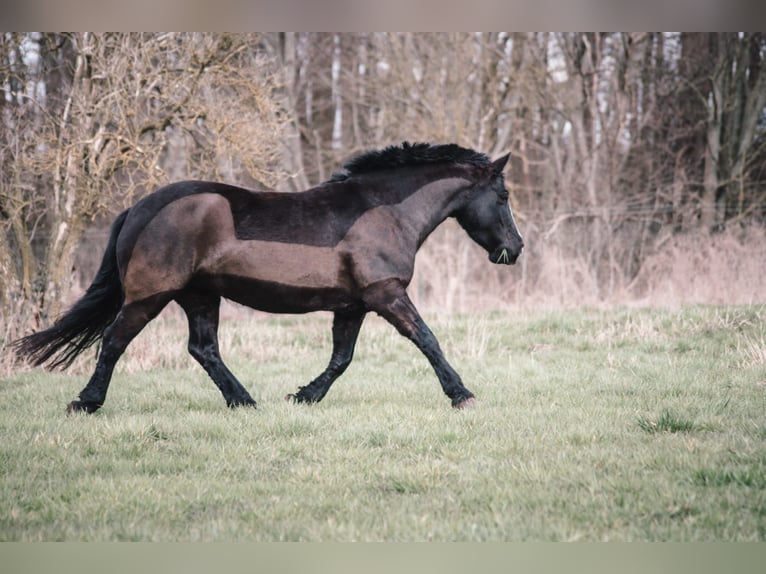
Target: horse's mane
x,y
407,155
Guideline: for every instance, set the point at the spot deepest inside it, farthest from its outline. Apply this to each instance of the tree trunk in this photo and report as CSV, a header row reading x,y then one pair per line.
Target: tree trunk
x,y
65,215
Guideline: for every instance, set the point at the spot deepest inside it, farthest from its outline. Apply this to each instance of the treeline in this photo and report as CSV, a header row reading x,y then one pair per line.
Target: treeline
x,y
619,141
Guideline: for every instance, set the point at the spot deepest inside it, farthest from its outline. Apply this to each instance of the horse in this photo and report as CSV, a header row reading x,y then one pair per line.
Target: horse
x,y
346,246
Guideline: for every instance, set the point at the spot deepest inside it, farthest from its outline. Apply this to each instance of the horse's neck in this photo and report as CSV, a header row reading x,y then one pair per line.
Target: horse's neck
x,y
430,204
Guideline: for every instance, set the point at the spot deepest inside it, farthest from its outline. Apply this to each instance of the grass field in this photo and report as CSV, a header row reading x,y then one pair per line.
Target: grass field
x,y
624,424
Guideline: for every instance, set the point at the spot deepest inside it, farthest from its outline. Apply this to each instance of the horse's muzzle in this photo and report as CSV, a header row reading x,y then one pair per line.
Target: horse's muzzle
x,y
505,255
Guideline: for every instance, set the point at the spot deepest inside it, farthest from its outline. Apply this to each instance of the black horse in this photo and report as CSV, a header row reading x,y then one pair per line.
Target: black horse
x,y
347,246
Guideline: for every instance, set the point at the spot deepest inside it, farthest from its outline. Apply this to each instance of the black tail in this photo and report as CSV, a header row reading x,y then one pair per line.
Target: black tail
x,y
84,324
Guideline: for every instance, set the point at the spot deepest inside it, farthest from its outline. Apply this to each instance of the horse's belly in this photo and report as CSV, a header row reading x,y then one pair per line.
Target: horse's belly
x,y
277,277
277,297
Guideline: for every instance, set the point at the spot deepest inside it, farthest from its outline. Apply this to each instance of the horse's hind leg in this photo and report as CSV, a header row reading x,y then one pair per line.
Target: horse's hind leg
x,y
202,313
129,321
345,329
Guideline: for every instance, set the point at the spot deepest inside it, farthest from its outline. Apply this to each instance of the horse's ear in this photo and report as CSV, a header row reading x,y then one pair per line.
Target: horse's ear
x,y
499,164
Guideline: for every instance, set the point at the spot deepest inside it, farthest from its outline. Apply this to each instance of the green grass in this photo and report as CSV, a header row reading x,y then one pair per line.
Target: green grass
x,y
624,424
666,422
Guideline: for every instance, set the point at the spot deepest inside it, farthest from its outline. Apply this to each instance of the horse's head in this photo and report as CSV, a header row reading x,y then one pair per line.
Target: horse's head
x,y
487,218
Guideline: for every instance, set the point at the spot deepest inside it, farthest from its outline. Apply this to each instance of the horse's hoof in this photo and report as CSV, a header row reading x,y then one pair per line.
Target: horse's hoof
x,y
81,407
243,403
299,399
467,403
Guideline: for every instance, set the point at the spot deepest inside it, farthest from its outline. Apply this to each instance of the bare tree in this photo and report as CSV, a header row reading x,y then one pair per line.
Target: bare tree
x,y
90,120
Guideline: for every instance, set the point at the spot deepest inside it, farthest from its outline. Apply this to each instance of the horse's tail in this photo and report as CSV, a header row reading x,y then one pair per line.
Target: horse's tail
x,y
84,324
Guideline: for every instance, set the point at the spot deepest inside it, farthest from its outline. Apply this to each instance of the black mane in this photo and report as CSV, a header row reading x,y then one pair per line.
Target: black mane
x,y
408,155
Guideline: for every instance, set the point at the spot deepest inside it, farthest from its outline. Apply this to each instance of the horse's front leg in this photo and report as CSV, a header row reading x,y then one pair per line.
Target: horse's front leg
x,y
390,300
345,329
